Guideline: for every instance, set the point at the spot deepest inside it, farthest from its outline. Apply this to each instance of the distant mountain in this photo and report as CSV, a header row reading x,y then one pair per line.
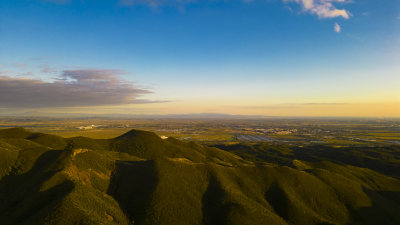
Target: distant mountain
x,y
139,178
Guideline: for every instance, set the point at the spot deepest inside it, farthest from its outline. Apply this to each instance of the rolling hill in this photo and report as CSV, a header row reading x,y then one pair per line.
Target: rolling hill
x,y
139,178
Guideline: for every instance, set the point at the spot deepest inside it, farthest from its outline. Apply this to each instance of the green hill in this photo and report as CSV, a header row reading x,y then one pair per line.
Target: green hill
x,y
142,179
18,132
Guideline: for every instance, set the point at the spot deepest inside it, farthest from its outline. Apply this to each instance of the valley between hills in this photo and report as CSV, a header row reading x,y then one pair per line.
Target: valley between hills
x,y
140,178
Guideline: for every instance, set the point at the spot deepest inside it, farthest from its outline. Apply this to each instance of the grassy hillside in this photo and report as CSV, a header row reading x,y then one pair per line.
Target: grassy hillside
x,y
142,179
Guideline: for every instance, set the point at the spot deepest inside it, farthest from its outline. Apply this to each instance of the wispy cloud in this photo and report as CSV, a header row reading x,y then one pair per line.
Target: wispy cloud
x,y
366,14
296,105
28,74
4,72
323,8
337,28
20,65
71,88
324,103
48,69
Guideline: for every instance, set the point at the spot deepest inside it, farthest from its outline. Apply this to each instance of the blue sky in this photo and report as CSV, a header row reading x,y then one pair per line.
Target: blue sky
x,y
209,56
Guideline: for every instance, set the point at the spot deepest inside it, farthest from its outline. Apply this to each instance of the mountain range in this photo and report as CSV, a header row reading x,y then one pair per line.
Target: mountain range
x,y
139,178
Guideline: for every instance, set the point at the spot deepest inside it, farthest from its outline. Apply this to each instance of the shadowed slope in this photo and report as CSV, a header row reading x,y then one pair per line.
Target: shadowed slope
x,y
22,194
215,208
132,185
384,159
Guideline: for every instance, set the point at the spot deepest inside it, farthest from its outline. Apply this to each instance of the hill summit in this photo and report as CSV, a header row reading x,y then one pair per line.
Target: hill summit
x,y
140,143
139,178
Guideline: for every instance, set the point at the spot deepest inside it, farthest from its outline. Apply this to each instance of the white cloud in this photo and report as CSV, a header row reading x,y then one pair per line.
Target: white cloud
x,y
323,8
337,28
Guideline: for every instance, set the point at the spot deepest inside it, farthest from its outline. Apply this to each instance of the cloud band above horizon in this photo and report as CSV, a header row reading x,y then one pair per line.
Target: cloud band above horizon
x,y
71,88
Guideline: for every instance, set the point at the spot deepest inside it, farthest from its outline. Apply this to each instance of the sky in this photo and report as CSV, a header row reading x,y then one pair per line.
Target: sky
x,y
247,57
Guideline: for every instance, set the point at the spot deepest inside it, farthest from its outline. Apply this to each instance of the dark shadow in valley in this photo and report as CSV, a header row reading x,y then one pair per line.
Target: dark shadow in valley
x,y
132,185
384,209
279,200
215,210
20,196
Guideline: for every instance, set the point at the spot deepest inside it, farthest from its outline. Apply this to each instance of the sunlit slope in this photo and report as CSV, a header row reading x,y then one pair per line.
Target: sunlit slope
x,y
140,178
